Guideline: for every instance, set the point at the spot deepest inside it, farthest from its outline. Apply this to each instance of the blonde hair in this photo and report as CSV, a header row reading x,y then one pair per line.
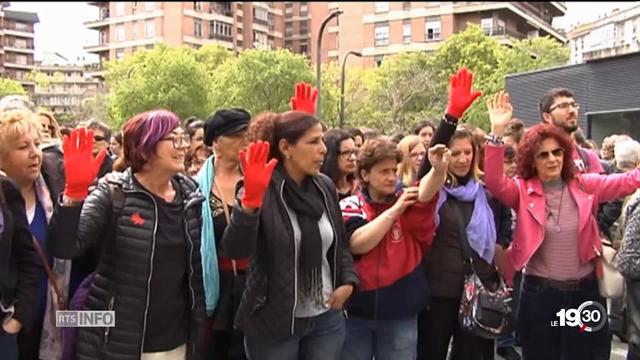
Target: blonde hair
x,y
405,169
14,124
56,127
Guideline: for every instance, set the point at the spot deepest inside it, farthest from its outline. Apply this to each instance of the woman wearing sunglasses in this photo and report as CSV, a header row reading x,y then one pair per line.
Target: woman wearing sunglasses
x,y
556,238
149,270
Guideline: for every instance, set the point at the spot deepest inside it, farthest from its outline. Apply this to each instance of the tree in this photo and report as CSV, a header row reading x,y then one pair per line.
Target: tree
x,y
400,92
165,77
533,54
95,107
11,87
212,56
258,80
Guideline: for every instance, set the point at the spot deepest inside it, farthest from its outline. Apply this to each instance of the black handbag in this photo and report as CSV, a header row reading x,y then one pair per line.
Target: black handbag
x,y
482,312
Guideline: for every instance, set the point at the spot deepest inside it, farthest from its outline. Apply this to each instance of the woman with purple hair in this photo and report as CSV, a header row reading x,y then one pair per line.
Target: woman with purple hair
x,y
146,224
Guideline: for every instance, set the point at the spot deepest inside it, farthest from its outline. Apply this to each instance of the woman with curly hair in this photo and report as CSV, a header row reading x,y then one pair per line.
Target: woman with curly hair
x,y
556,238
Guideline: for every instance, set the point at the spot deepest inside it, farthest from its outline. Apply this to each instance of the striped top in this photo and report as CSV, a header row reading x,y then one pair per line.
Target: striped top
x,y
557,257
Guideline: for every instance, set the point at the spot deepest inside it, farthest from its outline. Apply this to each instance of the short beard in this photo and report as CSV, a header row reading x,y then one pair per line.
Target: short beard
x,y
569,129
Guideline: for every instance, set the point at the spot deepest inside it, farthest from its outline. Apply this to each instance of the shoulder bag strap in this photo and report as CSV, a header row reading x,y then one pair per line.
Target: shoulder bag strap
x,y
225,208
50,275
467,260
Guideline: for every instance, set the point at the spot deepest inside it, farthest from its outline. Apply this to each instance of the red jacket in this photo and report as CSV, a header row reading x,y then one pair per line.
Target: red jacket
x,y
527,198
393,269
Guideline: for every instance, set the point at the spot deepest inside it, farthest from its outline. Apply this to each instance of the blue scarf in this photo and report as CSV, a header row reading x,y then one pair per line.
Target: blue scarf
x,y
481,230
205,178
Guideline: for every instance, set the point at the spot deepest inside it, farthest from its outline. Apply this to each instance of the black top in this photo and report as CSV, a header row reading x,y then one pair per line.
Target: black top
x,y
167,322
218,217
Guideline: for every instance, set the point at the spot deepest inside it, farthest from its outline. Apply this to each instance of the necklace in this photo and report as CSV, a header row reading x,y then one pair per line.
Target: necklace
x,y
556,220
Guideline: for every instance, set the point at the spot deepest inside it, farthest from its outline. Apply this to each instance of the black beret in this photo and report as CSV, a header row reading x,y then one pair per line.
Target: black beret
x,y
225,122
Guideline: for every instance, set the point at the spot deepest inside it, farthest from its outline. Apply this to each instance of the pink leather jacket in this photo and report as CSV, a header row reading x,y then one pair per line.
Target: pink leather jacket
x,y
527,198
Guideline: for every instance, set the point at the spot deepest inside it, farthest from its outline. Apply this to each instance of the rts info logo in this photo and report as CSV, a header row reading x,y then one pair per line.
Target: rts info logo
x,y
590,316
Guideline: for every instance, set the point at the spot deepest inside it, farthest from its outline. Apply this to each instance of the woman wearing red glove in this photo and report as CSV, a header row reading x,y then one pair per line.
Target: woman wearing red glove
x,y
462,193
289,223
149,270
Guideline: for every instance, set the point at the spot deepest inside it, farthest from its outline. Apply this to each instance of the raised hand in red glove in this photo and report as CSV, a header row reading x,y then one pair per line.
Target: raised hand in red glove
x,y
257,173
305,98
460,95
80,167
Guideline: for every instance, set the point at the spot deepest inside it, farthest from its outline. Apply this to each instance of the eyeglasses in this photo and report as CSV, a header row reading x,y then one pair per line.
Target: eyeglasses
x,y
565,106
349,153
417,155
48,127
97,138
559,152
178,141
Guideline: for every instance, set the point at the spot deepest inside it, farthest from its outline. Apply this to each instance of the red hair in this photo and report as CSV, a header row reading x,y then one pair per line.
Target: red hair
x,y
530,144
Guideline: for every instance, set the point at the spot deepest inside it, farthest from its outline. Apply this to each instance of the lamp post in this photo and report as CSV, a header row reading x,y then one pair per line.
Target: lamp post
x,y
333,14
342,78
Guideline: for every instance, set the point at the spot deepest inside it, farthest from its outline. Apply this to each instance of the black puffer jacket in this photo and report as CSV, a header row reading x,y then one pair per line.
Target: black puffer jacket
x,y
20,267
125,267
268,303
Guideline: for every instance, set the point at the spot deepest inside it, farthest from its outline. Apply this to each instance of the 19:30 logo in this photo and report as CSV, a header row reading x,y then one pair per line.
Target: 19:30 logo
x,y
590,316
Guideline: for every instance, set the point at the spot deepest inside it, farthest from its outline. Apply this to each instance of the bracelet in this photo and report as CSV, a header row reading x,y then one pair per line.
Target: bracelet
x,y
450,120
494,139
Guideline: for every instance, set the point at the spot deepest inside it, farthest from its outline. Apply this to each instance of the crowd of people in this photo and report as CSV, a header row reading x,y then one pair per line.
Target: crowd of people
x,y
270,236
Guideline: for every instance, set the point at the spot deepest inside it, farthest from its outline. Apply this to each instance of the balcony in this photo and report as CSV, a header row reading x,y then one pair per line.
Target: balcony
x,y
97,48
221,37
19,33
502,31
221,8
12,64
96,24
94,70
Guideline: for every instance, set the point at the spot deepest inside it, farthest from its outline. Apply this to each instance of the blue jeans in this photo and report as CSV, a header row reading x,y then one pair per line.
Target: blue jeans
x,y
538,307
8,345
509,340
314,338
382,339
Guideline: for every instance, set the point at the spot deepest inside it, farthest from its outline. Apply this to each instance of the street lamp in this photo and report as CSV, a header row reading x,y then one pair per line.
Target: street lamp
x,y
333,14
342,75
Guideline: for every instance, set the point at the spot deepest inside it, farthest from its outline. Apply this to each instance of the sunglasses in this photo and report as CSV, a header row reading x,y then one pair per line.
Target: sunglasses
x,y
97,138
559,152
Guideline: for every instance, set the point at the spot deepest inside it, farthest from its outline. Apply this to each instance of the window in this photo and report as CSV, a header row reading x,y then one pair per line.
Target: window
x,y
288,43
20,26
120,34
502,26
288,31
304,10
20,43
260,14
304,48
103,37
487,25
406,31
149,29
259,39
378,60
239,43
197,28
304,27
220,29
134,30
382,34
197,5
19,74
406,6
432,29
134,7
149,5
119,54
120,8
21,59
272,24
288,11
381,6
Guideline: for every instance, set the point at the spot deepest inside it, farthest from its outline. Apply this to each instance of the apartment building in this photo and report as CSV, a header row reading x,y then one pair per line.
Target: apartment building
x,y
16,45
125,27
69,85
614,34
382,28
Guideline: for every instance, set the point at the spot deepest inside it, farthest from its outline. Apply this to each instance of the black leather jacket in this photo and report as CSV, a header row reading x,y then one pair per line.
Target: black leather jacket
x,y
125,267
268,303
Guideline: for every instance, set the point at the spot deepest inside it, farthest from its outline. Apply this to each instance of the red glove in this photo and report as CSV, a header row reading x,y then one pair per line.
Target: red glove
x,y
305,98
80,167
460,95
257,173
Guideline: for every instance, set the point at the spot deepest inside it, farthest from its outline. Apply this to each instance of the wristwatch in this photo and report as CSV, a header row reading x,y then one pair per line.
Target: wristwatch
x,y
494,139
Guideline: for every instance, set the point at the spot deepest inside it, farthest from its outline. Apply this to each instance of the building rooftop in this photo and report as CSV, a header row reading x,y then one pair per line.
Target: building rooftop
x,y
24,16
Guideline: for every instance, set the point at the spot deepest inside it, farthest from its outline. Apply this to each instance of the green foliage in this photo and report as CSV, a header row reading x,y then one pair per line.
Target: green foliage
x,y
165,77
212,56
258,80
10,87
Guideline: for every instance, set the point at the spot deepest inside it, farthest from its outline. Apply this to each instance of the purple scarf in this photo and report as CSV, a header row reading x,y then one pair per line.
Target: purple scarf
x,y
481,230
